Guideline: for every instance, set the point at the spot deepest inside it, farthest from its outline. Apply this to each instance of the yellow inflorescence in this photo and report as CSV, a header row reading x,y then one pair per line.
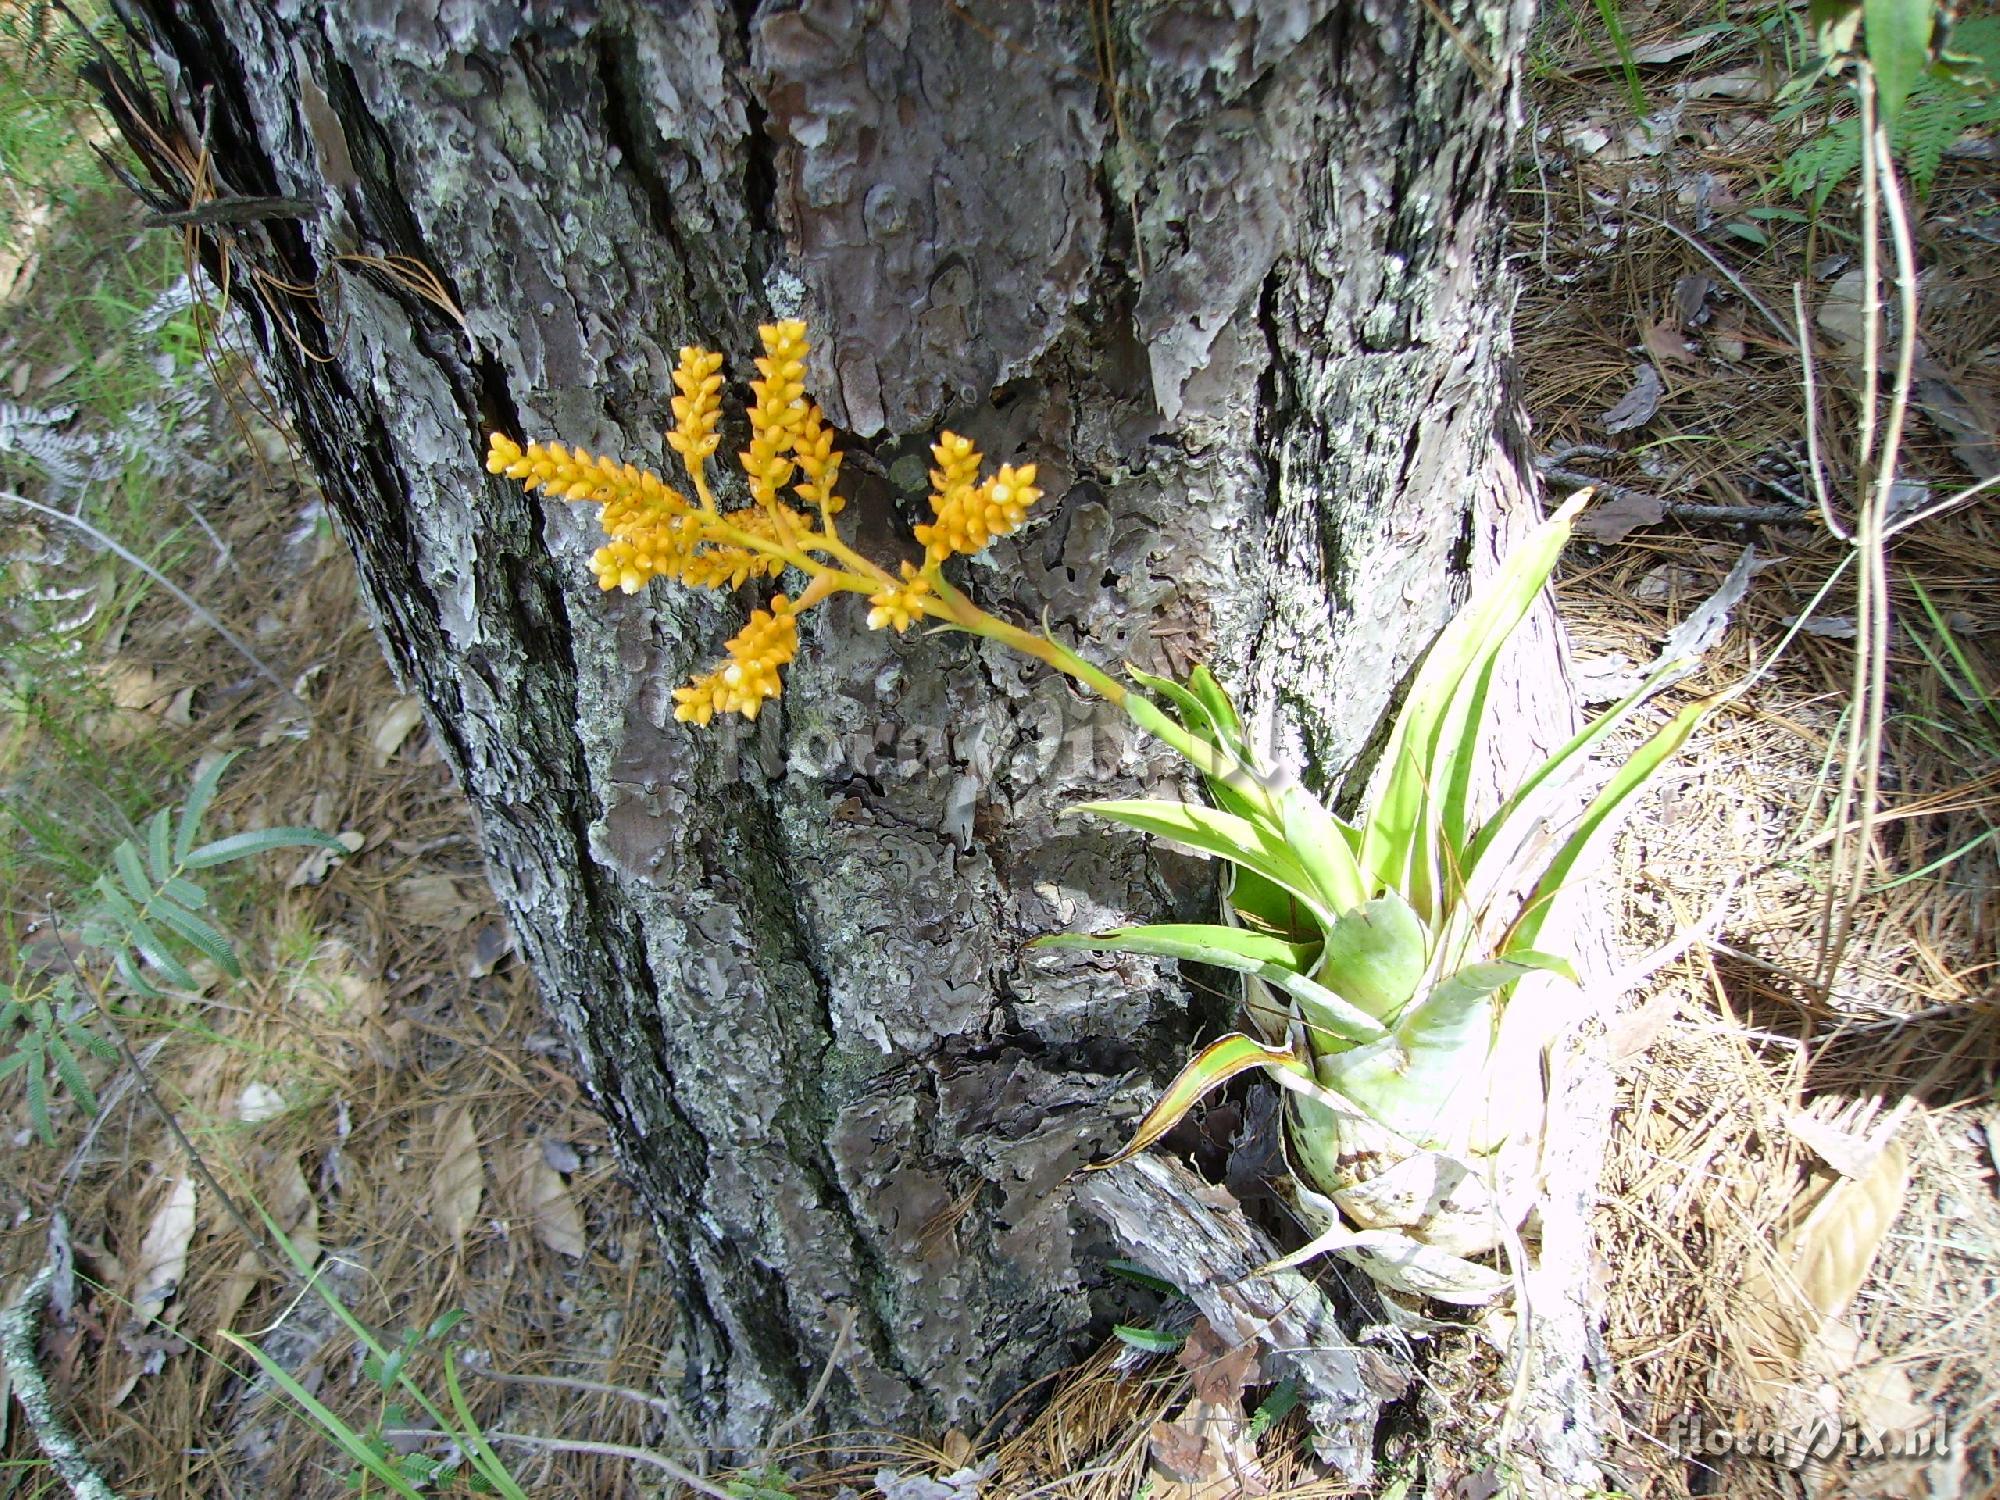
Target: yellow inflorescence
x,y
698,407
750,676
653,531
778,413
970,515
898,606
819,462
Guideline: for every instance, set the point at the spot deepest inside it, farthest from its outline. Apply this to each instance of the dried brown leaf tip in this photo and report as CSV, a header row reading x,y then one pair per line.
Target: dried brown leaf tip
x,y
791,467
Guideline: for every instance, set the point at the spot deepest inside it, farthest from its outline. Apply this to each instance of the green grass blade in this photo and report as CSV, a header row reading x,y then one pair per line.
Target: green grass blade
x,y
1970,689
1628,62
484,1459
351,1442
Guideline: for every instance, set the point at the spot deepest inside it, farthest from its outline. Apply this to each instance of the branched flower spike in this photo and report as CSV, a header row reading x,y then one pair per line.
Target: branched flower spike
x,y
653,531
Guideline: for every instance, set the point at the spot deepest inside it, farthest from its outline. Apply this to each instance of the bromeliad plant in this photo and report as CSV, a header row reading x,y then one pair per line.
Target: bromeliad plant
x,y
1379,958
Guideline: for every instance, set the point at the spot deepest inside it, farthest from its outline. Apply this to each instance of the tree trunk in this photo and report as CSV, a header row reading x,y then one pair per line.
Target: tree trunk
x,y
1234,282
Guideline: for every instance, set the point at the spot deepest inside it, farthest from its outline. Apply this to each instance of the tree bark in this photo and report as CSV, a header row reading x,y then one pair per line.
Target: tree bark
x,y
1233,281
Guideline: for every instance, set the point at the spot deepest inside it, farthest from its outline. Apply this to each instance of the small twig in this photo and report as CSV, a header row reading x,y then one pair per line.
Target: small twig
x,y
1812,417
660,1461
108,1099
1861,771
659,1404
1950,502
798,1418
1679,510
222,549
145,1082
201,611
20,1329
1649,964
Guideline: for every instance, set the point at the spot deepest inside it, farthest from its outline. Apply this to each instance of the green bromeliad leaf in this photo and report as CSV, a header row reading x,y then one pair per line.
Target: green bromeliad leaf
x,y
1320,844
1421,1080
1220,835
1271,959
1375,956
1434,734
1605,812
1205,1072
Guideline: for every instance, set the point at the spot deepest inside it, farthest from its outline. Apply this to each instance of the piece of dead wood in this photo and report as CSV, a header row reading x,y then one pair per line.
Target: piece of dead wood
x,y
1168,1220
20,1327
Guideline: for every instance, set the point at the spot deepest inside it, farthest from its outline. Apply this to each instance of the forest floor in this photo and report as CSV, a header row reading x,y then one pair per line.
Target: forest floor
x,y
381,1080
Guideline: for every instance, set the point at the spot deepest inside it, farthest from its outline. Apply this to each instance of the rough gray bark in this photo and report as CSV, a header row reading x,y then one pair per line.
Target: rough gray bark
x,y
1233,281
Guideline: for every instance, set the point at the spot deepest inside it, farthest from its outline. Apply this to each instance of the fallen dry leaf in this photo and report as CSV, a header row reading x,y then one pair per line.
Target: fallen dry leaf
x,y
435,901
1737,83
163,1255
1667,344
1636,407
1725,335
558,1222
259,1102
1612,520
317,865
1820,1264
243,1276
1691,294
1672,49
394,727
1219,1368
289,1199
1206,1453
460,1179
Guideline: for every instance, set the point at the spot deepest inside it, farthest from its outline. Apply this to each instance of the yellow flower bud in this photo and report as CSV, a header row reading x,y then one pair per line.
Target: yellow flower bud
x,y
899,607
698,407
745,682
